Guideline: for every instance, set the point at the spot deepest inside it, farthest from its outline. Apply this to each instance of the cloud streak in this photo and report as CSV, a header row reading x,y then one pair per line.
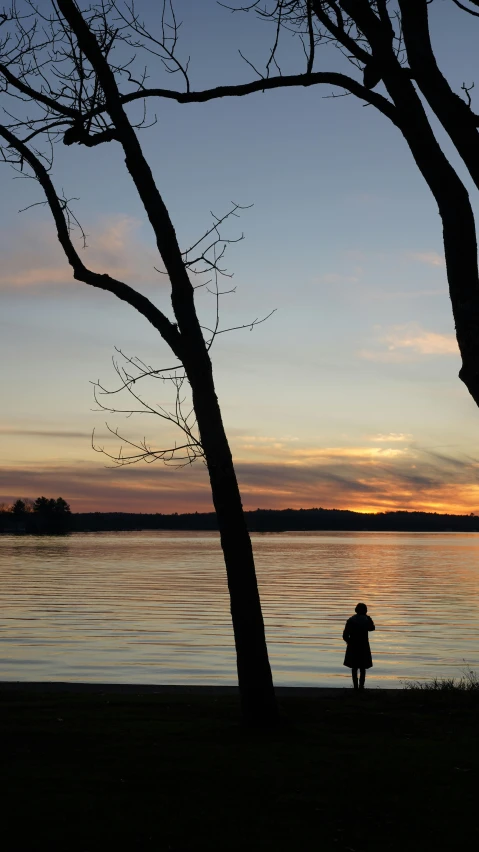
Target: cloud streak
x,y
113,247
392,436
430,258
402,343
44,433
343,478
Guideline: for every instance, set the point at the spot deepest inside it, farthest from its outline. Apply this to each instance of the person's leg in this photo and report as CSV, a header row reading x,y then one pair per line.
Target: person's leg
x,y
362,678
354,673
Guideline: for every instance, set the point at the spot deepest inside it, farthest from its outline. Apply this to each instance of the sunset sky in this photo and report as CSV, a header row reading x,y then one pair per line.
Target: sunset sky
x,y
347,397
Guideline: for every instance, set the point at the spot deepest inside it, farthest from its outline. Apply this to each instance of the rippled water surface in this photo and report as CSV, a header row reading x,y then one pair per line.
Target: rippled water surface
x,y
152,607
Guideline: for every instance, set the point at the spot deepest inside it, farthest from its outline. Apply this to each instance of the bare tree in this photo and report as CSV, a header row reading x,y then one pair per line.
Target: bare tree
x,y
61,74
204,258
384,44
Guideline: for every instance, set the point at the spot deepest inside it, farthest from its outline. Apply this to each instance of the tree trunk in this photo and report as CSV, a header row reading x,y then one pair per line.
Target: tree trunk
x,y
187,342
258,701
455,115
460,249
459,235
459,231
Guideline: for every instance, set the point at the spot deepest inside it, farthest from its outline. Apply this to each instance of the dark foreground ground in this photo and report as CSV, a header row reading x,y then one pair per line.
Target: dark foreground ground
x,y
113,770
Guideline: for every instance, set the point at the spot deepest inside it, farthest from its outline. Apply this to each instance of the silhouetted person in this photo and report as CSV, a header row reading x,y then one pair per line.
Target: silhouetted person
x,y
358,652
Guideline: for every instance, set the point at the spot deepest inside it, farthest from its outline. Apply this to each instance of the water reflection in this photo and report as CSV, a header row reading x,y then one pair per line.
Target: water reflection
x,y
153,607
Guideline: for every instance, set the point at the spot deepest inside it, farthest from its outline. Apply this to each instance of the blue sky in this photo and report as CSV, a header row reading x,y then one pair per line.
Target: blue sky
x,y
348,395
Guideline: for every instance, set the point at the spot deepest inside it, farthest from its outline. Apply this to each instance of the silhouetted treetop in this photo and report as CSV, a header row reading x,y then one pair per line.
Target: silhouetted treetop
x,y
46,506
18,508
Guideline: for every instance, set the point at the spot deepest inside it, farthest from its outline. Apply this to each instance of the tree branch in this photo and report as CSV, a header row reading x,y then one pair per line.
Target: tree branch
x,y
340,33
318,77
181,287
79,134
36,96
465,9
455,115
79,25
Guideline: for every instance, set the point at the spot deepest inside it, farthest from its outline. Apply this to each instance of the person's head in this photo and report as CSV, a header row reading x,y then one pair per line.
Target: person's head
x,y
361,609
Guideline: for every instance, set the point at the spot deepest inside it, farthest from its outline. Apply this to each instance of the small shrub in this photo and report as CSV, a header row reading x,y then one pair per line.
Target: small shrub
x,y
469,682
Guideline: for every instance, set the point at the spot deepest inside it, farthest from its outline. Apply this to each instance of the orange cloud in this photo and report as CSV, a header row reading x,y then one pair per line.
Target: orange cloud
x,y
358,454
34,277
265,444
392,436
113,247
402,343
431,258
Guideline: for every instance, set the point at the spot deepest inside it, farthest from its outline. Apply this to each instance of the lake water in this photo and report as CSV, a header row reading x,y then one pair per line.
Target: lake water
x,y
152,607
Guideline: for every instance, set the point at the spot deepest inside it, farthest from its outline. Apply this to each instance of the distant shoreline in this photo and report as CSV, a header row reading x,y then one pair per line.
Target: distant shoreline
x,y
261,520
280,520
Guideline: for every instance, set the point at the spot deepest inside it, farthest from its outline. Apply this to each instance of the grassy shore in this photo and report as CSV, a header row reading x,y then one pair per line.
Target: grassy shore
x,y
175,772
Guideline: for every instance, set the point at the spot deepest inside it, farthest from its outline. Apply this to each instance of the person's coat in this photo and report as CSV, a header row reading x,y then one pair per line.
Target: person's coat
x,y
358,652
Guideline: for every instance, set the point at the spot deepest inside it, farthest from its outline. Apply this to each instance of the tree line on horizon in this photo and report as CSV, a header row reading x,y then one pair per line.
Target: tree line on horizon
x,y
52,516
281,520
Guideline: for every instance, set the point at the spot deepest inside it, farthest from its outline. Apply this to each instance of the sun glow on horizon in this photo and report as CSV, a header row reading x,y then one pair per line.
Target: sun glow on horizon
x,y
360,479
